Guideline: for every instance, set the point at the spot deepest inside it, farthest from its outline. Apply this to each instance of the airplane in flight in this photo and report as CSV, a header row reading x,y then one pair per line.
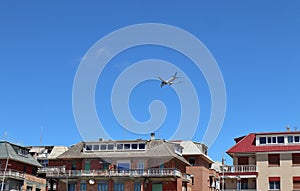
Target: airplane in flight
x,y
169,81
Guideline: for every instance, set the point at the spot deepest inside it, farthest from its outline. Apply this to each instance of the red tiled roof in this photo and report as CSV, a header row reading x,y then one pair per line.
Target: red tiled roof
x,y
247,145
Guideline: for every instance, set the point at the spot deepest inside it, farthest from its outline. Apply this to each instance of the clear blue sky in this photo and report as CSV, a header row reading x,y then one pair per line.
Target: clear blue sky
x,y
256,45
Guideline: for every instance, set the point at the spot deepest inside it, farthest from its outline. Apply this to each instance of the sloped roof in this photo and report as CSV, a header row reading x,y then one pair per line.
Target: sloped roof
x,y
56,151
7,151
247,145
155,149
194,148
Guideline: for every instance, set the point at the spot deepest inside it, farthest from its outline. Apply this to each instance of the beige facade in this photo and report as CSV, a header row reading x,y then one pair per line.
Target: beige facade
x,y
286,171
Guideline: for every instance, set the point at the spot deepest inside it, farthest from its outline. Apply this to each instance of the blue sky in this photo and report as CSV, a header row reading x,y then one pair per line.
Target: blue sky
x,y
256,45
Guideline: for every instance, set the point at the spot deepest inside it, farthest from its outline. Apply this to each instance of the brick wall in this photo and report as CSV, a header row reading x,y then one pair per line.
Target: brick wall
x,y
201,177
128,185
19,166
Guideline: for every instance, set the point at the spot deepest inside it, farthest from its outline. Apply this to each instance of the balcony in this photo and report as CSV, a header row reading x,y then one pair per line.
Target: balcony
x,y
58,172
240,190
186,177
239,168
12,174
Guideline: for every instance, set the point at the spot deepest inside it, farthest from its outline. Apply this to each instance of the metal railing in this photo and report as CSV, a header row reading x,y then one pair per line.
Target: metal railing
x,y
239,168
186,177
240,190
59,172
12,173
51,169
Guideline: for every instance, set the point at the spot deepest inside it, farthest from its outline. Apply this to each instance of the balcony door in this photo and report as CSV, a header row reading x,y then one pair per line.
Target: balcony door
x,y
124,165
156,187
243,160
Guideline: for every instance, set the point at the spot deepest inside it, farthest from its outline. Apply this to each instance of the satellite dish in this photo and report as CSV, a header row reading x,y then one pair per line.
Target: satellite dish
x,y
91,181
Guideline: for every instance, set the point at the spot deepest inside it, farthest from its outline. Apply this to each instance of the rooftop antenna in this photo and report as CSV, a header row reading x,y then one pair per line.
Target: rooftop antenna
x,y
295,128
41,136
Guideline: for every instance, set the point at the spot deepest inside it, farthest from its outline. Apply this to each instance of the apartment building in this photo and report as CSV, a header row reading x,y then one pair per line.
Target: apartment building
x,y
204,177
264,161
129,165
132,165
18,169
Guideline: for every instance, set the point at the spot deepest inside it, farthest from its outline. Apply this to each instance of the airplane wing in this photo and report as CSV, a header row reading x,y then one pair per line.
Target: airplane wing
x,y
161,79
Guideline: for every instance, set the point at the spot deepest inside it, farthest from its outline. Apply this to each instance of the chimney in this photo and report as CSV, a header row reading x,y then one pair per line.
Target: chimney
x,y
223,161
152,136
288,129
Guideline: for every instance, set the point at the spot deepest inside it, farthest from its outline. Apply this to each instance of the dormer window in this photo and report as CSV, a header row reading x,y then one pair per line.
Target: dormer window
x,y
107,146
23,152
88,147
262,140
280,139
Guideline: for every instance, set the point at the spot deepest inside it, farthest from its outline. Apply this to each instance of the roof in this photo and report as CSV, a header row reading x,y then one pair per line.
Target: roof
x,y
9,150
155,149
194,148
56,151
247,144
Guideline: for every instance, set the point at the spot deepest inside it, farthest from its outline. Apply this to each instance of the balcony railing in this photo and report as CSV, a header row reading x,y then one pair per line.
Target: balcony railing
x,y
12,174
186,177
239,168
240,190
153,172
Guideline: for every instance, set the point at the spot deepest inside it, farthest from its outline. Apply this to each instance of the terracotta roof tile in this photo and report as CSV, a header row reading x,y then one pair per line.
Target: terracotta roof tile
x,y
247,145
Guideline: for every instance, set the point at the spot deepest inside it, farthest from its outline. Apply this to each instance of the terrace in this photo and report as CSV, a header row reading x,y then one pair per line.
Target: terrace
x,y
60,172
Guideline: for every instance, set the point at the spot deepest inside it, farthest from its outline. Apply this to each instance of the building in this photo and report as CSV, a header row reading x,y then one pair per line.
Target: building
x,y
264,161
204,177
18,169
43,153
129,165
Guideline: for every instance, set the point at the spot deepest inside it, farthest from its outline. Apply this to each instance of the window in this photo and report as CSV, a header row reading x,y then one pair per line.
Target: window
x,y
73,165
272,140
124,165
134,146
142,145
126,146
243,160
297,139
296,158
82,186
72,187
118,187
262,140
105,166
96,147
137,186
110,147
23,152
290,139
102,186
274,159
119,146
87,165
269,139
192,161
280,139
274,183
103,147
88,147
244,183
296,183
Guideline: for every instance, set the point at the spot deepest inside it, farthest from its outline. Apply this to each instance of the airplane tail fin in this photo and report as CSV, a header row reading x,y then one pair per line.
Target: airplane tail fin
x,y
175,74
